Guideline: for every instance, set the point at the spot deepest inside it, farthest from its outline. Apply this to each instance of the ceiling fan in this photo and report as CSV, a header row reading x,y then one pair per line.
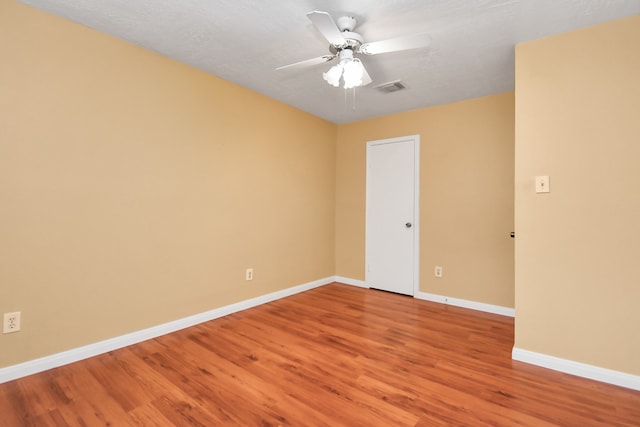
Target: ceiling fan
x,y
344,44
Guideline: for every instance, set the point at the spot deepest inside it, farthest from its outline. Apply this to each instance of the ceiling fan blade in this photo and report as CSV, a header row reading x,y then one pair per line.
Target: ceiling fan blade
x,y
325,24
366,78
308,62
396,44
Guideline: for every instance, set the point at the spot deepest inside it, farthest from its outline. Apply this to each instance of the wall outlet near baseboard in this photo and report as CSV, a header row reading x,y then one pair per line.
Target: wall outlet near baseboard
x,y
438,271
11,322
248,275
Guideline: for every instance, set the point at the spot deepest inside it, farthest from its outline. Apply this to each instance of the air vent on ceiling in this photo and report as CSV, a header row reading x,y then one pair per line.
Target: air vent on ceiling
x,y
391,86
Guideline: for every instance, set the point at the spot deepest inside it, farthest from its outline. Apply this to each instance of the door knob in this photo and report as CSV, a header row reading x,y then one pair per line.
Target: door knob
x,y
408,225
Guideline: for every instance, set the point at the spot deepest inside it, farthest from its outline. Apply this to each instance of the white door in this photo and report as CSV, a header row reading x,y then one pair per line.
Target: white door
x,y
392,214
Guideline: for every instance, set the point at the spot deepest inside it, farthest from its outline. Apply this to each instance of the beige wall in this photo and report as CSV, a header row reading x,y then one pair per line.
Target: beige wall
x,y
466,200
135,190
577,248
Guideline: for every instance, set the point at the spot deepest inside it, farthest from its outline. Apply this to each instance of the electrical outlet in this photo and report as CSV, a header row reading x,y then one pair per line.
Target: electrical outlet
x,y
248,275
11,322
438,271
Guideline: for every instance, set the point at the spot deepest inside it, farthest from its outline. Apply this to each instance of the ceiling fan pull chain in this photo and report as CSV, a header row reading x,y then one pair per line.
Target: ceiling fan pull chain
x,y
353,103
346,100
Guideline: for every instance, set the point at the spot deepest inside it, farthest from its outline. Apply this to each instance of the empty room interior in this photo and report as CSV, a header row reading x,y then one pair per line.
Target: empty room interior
x,y
187,232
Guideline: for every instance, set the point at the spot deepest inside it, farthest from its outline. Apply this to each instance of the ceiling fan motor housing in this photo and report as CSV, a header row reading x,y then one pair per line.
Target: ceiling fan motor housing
x,y
354,41
346,24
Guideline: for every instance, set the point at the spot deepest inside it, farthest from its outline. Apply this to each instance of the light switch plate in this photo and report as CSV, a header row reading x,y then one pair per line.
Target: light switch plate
x,y
542,184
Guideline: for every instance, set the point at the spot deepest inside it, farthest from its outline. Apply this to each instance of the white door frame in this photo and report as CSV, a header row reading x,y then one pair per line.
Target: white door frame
x,y
416,206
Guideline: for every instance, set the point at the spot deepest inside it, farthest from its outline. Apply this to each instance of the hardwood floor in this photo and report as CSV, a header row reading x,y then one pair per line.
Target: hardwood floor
x,y
336,355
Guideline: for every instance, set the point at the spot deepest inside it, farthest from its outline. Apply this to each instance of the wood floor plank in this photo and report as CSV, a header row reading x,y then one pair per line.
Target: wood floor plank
x,y
333,356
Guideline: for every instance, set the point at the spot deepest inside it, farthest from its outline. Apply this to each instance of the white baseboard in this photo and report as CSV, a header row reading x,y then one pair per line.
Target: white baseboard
x,y
576,368
352,282
480,306
59,359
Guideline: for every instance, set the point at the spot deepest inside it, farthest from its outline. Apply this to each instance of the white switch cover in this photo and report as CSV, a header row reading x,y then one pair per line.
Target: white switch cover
x,y
542,184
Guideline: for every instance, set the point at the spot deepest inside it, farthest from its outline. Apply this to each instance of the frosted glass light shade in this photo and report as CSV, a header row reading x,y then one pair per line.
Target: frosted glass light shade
x,y
353,73
333,75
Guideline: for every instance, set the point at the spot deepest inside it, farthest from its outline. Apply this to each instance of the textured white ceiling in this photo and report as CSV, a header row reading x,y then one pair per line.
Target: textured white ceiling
x,y
244,41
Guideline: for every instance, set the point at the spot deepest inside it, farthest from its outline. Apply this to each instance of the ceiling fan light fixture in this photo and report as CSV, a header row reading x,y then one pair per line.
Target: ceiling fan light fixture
x,y
350,70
